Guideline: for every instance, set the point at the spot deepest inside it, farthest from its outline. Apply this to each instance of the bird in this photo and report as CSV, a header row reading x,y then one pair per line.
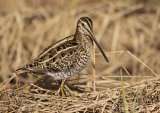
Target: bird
x,y
67,57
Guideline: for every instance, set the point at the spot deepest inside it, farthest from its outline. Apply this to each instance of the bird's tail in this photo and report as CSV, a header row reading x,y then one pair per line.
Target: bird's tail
x,y
20,71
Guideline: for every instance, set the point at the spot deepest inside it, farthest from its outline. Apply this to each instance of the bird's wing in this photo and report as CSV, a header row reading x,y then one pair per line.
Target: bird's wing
x,y
54,58
56,47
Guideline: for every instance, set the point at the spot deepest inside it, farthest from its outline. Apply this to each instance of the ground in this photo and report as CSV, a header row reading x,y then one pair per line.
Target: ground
x,y
128,31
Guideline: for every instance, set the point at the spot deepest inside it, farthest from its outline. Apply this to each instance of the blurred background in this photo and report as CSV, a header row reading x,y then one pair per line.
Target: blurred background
x,y
127,30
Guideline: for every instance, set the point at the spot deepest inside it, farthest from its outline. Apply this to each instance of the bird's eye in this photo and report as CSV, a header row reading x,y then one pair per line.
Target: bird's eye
x,y
83,24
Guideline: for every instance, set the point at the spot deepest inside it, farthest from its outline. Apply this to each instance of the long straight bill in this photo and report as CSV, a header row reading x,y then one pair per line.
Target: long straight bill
x,y
101,50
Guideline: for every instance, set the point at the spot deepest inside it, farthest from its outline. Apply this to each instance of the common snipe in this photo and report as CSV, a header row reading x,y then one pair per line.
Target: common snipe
x,y
67,57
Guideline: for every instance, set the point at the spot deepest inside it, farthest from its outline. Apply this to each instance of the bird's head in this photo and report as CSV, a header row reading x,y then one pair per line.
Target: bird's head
x,y
85,26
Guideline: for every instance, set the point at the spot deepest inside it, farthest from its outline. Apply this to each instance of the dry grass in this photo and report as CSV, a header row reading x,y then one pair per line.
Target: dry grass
x,y
127,30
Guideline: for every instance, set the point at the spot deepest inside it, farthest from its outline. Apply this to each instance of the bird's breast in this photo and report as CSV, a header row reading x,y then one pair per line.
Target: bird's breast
x,y
73,63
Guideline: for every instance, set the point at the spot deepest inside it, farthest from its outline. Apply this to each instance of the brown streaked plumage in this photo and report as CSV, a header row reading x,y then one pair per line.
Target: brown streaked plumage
x,y
67,57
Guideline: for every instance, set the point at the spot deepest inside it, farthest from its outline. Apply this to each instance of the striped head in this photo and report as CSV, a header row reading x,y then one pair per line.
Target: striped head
x,y
85,26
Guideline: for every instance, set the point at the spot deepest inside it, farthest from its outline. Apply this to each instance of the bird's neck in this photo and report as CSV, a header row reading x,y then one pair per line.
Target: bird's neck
x,y
78,36
84,39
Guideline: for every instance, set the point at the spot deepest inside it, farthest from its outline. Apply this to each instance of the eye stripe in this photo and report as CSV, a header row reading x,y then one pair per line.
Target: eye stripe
x,y
86,20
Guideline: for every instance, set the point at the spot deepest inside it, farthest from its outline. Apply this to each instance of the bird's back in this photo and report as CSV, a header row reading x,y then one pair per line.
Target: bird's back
x,y
62,59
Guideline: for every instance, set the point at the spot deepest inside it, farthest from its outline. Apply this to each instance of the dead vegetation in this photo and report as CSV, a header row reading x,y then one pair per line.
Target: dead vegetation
x,y
128,31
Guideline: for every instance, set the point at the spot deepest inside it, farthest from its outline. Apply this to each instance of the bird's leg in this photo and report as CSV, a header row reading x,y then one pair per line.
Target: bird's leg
x,y
61,88
69,91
